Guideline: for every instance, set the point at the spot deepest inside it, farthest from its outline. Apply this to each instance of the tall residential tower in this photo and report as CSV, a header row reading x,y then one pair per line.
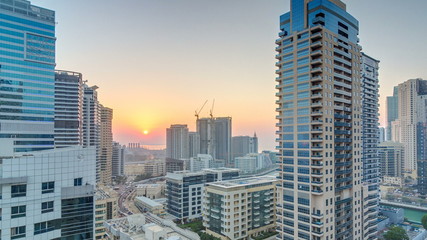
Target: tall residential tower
x,y
319,123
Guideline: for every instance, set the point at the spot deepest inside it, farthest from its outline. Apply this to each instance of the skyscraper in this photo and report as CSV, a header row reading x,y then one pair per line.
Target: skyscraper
x,y
177,142
392,112
319,120
215,137
371,136
409,93
242,145
27,77
223,139
106,145
68,108
206,130
118,161
92,123
194,144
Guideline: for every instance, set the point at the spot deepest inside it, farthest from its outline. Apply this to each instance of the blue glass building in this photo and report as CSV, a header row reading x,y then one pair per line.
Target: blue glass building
x,y
27,62
320,130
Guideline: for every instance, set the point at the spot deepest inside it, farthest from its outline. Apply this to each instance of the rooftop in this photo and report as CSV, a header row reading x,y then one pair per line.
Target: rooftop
x,y
148,201
179,175
244,182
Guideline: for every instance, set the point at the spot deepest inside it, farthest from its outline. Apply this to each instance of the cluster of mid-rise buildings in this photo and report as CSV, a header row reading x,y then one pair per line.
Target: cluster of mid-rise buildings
x,y
404,151
213,146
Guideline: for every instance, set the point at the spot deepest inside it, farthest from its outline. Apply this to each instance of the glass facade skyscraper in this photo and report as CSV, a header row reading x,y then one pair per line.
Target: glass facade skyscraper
x,y
320,130
27,62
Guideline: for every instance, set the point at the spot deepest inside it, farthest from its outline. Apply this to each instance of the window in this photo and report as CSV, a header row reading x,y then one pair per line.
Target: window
x,y
288,73
288,129
303,103
288,65
47,207
288,121
288,89
19,190
44,227
303,128
288,96
302,70
288,145
303,94
288,105
303,86
303,120
78,181
17,232
48,187
287,81
302,61
19,211
303,78
303,111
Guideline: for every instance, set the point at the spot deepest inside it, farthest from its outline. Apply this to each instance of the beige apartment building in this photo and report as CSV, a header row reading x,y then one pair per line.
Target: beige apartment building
x,y
241,208
106,145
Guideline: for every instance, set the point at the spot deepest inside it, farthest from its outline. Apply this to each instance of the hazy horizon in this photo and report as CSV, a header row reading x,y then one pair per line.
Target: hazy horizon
x,y
156,62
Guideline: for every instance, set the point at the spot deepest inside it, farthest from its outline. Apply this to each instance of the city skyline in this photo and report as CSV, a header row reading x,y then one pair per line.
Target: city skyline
x,y
165,48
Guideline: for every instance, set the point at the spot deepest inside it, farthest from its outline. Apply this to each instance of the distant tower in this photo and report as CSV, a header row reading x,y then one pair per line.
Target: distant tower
x,y
92,123
409,93
68,108
106,145
177,142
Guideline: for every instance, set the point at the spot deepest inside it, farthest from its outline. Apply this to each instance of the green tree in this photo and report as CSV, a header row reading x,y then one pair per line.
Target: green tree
x,y
142,177
424,221
396,233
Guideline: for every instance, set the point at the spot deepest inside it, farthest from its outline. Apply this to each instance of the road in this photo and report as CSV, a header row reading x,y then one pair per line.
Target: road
x,y
127,194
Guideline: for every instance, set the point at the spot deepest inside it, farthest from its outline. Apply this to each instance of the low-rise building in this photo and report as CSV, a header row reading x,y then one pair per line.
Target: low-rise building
x,y
146,227
396,181
173,165
153,168
105,209
152,191
240,208
396,215
147,205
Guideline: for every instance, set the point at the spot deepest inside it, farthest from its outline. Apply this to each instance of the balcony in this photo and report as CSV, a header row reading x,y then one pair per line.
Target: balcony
x,y
316,87
317,183
317,174
343,172
316,96
316,36
319,20
316,53
343,164
317,215
313,70
317,233
316,113
316,139
316,61
342,124
316,44
317,192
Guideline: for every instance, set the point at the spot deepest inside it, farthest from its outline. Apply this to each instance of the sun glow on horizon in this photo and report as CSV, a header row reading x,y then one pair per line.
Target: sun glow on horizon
x,y
145,132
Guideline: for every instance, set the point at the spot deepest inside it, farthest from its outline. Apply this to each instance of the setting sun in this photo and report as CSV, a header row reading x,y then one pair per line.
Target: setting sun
x,y
145,132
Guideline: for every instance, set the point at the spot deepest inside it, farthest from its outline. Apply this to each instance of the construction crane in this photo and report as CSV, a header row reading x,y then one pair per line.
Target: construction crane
x,y
211,111
198,112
